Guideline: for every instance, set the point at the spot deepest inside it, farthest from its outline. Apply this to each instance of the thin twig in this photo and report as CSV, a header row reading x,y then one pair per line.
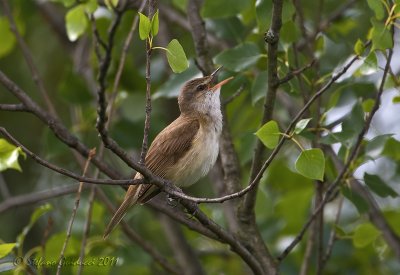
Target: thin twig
x,y
64,171
294,73
332,236
86,227
121,63
13,107
29,59
74,210
145,146
234,95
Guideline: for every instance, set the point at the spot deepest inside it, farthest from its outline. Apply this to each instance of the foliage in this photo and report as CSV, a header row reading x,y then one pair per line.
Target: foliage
x,y
316,41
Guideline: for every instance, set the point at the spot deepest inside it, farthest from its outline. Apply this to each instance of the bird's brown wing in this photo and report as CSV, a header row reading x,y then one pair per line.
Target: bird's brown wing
x,y
168,148
171,145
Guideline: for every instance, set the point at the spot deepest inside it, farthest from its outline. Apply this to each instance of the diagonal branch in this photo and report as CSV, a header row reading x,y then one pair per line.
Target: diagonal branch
x,y
331,190
61,132
29,59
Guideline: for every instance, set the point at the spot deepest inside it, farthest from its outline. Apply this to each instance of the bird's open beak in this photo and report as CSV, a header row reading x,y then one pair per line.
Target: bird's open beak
x,y
223,82
215,73
214,76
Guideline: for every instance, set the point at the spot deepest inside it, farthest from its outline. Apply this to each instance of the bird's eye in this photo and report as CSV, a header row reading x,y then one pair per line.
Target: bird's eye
x,y
201,87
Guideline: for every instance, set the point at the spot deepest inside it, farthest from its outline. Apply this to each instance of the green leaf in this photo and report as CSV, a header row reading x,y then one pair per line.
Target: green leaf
x,y
239,58
144,26
364,235
176,57
6,248
392,149
301,125
359,47
154,24
368,104
111,4
259,87
290,32
9,156
396,99
376,184
66,3
7,37
311,164
91,6
377,7
356,199
40,211
380,36
224,8
263,14
269,134
288,11
76,22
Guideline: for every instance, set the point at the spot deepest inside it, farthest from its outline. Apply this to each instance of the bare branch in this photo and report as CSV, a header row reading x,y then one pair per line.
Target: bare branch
x,y
294,73
31,198
64,171
225,237
233,96
185,256
13,108
145,146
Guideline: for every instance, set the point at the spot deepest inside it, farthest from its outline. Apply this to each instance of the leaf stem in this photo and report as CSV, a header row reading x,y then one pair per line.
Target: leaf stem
x,y
294,140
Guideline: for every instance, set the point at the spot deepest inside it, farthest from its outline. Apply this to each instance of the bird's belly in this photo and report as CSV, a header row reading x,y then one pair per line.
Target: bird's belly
x,y
199,160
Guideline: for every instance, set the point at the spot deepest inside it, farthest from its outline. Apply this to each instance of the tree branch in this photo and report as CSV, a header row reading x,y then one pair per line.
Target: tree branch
x,y
14,108
330,192
29,59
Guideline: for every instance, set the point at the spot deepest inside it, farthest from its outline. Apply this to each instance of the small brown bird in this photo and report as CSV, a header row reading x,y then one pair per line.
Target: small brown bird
x,y
186,149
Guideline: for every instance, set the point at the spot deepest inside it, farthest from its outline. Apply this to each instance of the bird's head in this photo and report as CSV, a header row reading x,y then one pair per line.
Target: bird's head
x,y
200,96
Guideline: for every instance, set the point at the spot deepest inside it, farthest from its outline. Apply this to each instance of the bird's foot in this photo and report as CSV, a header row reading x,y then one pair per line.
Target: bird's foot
x,y
172,201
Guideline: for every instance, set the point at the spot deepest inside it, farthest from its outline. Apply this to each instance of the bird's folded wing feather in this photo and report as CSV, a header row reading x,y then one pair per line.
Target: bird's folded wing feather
x,y
168,148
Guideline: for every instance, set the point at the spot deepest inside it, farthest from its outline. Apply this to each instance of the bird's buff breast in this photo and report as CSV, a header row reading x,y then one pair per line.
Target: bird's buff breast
x,y
199,160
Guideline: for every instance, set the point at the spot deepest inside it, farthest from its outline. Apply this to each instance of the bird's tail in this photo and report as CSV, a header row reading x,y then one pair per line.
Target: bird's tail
x,y
130,199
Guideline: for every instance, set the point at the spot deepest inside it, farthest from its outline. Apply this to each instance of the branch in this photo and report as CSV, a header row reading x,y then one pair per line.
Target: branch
x,y
145,146
330,192
133,235
185,256
64,171
14,108
31,198
233,96
225,237
54,124
294,73
28,58
72,218
272,39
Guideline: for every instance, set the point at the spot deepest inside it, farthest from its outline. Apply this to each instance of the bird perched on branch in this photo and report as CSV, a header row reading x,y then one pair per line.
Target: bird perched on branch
x,y
187,148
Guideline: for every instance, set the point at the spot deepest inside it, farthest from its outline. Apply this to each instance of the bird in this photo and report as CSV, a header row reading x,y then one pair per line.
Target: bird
x,y
186,149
